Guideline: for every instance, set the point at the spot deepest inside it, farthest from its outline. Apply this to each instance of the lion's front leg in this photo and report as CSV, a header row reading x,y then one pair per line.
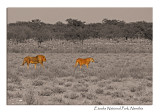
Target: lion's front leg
x,y
87,65
28,65
35,66
42,65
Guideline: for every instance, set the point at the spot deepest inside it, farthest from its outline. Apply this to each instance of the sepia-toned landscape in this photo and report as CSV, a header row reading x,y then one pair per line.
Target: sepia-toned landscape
x,y
113,79
121,73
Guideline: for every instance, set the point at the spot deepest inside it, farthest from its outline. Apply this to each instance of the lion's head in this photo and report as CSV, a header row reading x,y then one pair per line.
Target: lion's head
x,y
44,58
91,59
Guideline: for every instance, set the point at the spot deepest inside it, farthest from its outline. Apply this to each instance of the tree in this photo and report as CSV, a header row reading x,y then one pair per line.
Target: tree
x,y
42,35
36,21
112,22
19,33
77,30
75,22
59,23
148,33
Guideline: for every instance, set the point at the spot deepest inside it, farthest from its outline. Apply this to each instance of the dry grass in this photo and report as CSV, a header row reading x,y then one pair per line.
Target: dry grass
x,y
45,93
89,46
37,83
72,96
114,79
118,102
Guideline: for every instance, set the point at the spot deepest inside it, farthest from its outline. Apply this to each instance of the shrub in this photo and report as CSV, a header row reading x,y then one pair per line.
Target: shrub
x,y
72,96
29,97
118,94
133,89
90,96
68,84
58,90
99,91
95,102
10,95
18,95
10,88
37,83
45,93
149,84
80,88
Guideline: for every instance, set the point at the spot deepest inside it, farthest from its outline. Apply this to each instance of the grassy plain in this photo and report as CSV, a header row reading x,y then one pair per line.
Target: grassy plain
x,y
89,46
114,79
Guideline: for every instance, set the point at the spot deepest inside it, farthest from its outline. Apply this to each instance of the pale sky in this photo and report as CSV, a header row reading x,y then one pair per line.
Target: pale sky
x,y
89,15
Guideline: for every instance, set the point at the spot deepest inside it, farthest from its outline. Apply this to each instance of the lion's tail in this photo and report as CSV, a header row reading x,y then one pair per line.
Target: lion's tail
x,y
75,67
23,63
76,64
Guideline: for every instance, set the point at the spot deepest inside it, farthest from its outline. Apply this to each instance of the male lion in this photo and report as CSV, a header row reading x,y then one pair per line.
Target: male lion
x,y
81,61
34,60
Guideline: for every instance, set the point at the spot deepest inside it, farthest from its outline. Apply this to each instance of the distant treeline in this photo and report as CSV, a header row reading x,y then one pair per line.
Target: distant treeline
x,y
74,30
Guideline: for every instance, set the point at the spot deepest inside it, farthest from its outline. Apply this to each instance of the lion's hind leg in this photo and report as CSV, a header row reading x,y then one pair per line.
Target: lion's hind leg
x,y
76,64
28,65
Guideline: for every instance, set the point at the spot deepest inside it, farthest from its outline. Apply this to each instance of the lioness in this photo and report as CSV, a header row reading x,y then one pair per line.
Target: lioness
x,y
34,60
81,62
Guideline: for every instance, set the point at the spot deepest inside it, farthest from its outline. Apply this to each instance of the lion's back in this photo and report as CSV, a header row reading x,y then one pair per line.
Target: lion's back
x,y
27,58
81,61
